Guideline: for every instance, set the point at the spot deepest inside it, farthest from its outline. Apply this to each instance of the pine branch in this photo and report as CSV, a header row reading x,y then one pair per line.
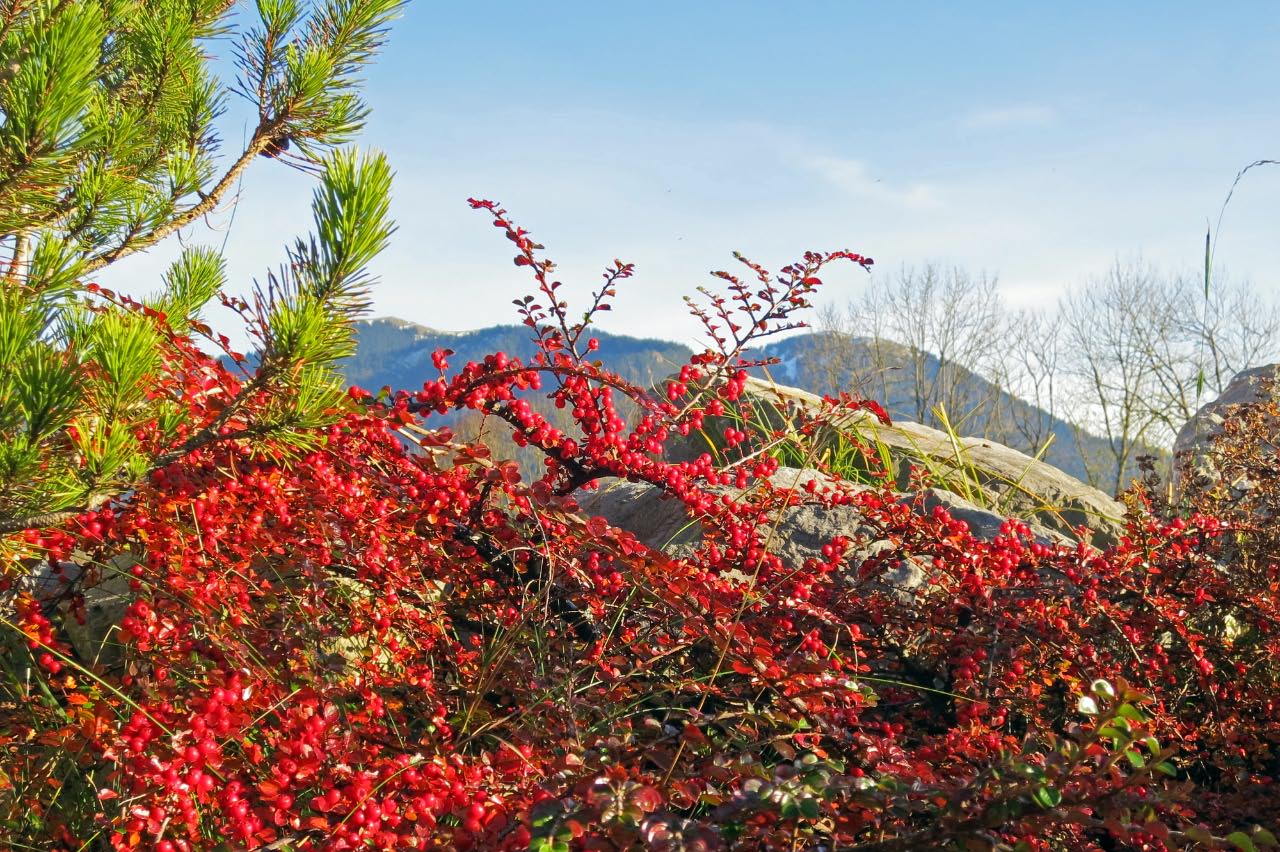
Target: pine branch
x,y
264,137
207,437
51,519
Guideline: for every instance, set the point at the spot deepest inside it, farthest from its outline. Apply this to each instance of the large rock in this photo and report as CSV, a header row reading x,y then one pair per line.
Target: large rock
x,y
1002,479
105,602
799,532
1194,466
93,634
796,535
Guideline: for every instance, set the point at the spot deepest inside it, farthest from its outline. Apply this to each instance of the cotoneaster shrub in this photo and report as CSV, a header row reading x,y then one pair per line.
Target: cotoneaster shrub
x,y
391,639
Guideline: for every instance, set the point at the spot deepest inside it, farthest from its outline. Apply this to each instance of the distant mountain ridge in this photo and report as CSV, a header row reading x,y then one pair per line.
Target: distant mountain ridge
x,y
909,385
397,353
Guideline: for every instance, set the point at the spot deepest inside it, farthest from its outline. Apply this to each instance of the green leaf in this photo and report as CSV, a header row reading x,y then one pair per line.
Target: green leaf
x,y
314,301
790,808
280,16
351,209
1199,834
1128,711
47,391
55,266
1241,841
1047,797
1264,838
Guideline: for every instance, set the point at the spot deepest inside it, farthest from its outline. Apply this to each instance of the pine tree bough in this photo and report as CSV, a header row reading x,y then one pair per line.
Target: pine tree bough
x,y
107,147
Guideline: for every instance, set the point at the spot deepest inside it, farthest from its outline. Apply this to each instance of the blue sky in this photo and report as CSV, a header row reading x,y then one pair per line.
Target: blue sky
x,y
1034,141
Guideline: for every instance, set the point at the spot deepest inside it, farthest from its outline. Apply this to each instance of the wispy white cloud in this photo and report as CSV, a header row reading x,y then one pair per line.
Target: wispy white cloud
x,y
1007,117
854,178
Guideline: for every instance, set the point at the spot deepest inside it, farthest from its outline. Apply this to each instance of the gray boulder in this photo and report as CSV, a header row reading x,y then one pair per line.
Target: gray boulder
x,y
983,523
799,532
796,535
1194,466
104,605
105,600
1007,482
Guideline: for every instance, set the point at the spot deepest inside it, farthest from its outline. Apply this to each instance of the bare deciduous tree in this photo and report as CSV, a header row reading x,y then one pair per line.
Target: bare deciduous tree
x,y
950,325
1110,374
1145,349
1032,372
1109,327
1231,330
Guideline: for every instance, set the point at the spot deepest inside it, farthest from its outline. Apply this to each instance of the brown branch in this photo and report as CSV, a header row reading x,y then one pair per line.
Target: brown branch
x,y
50,519
18,260
263,137
211,432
